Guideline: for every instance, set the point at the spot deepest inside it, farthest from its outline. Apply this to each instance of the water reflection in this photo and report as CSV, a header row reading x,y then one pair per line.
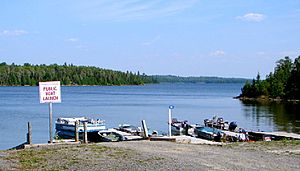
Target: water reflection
x,y
273,116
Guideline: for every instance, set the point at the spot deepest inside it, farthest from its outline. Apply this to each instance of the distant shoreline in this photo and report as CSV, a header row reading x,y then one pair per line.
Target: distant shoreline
x,y
128,84
265,100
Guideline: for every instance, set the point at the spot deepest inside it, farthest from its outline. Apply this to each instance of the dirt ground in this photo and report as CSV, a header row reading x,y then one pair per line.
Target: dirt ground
x,y
156,155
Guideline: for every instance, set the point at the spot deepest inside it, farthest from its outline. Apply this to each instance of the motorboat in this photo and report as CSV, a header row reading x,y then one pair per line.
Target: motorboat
x,y
111,135
179,127
134,130
65,127
208,133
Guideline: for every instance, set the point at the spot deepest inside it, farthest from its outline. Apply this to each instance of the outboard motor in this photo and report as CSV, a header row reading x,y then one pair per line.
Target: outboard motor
x,y
220,120
232,126
206,121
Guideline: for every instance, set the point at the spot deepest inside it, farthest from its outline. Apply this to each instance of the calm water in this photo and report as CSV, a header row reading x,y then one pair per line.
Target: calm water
x,y
131,104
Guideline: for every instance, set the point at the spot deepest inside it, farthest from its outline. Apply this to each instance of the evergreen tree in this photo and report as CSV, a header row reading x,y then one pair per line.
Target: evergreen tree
x,y
68,75
284,83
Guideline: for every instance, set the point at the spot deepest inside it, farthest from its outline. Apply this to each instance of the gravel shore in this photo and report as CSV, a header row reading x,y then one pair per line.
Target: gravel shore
x,y
155,155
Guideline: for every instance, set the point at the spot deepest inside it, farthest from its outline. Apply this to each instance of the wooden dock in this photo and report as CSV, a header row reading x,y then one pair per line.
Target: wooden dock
x,y
280,135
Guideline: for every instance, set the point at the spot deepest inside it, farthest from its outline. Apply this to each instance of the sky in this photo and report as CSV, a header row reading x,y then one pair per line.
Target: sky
x,y
226,38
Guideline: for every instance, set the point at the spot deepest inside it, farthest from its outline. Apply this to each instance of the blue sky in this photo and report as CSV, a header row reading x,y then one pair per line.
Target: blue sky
x,y
236,38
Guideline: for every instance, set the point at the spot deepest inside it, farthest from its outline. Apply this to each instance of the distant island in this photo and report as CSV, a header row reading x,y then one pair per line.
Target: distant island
x,y
71,75
282,85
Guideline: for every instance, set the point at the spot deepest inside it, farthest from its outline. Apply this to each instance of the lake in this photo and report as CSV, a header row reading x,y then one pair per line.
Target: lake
x,y
131,104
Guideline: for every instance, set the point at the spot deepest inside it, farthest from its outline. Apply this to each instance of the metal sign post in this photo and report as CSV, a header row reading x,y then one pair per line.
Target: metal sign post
x,y
50,93
50,122
170,118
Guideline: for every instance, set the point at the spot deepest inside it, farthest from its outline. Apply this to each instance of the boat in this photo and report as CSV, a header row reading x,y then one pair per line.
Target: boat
x,y
208,133
134,130
179,127
216,123
65,127
230,132
110,135
182,128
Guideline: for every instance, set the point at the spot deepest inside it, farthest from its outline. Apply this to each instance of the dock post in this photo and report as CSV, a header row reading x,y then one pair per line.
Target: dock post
x,y
145,129
85,132
76,131
29,134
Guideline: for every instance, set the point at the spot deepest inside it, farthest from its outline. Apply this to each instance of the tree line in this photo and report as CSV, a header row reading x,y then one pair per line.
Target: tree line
x,y
28,74
283,83
201,79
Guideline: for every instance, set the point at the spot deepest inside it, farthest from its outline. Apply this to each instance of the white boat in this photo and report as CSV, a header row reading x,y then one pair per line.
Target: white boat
x,y
130,129
179,127
65,127
112,135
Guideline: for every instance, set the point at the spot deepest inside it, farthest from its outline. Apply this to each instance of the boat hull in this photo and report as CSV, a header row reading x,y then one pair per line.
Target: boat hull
x,y
65,127
68,127
208,133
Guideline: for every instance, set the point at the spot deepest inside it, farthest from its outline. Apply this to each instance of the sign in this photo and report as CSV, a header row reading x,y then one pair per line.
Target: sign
x,y
50,92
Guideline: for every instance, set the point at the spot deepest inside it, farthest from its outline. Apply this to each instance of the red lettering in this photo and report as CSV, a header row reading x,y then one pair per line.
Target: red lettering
x,y
50,98
50,88
50,93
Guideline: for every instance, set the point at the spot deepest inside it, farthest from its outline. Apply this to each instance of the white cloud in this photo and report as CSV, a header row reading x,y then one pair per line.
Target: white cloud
x,y
82,47
121,10
72,40
148,43
13,32
217,53
254,17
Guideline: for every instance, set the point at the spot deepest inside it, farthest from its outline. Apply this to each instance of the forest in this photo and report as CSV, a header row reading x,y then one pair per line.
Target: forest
x,y
201,79
31,75
282,84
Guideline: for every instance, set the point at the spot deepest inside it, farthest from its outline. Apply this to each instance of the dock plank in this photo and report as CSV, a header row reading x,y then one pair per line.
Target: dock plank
x,y
281,134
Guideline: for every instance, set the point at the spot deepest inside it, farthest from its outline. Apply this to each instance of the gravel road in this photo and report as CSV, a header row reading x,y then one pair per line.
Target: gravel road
x,y
154,155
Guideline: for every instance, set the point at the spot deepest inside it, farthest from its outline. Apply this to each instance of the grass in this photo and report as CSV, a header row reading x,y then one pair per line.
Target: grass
x,y
29,159
64,156
264,145
98,148
281,143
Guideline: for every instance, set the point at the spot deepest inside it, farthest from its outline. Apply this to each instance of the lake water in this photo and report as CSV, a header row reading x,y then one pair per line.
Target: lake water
x,y
131,104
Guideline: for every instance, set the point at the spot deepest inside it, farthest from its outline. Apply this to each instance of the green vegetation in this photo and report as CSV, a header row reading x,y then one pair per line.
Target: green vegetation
x,y
28,74
29,158
282,147
15,75
67,157
284,83
175,79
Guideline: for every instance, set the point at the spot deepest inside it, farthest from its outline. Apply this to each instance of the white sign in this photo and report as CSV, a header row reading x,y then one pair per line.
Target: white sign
x,y
50,92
